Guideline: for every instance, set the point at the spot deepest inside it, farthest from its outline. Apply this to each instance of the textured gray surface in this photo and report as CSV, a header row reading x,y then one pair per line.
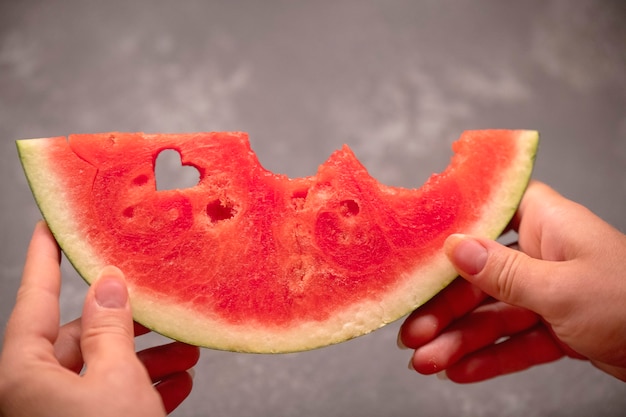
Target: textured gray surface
x,y
397,80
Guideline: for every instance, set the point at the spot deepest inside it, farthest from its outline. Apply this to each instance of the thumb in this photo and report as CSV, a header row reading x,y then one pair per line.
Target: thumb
x,y
107,323
504,273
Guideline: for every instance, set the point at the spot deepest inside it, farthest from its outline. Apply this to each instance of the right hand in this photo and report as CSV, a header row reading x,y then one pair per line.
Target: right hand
x,y
563,294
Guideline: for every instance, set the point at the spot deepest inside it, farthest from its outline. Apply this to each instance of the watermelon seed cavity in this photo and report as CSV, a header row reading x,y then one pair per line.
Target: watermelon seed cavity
x,y
129,212
140,180
218,211
349,208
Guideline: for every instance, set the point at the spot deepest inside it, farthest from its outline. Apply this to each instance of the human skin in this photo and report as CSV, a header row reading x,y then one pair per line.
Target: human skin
x,y
561,294
41,363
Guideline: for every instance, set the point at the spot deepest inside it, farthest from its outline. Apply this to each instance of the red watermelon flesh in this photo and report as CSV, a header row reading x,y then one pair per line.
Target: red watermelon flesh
x,y
249,260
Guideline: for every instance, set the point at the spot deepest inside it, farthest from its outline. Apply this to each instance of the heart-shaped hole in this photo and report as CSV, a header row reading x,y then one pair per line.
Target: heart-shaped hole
x,y
171,174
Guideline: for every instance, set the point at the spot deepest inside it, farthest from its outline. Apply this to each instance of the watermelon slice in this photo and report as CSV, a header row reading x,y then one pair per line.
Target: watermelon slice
x,y
252,261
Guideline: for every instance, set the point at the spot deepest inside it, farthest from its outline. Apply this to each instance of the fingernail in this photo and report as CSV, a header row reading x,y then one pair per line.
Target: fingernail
x,y
467,254
110,291
411,367
399,342
442,376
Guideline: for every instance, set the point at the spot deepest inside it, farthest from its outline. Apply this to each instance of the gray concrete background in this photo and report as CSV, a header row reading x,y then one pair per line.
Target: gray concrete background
x,y
397,80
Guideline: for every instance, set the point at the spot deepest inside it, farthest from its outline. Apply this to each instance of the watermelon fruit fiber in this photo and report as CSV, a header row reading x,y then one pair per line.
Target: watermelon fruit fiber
x,y
252,261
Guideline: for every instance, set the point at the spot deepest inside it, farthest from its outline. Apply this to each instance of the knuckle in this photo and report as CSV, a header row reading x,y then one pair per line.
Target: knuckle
x,y
507,277
110,326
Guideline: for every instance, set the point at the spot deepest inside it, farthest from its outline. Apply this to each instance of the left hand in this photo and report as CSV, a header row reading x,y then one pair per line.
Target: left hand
x,y
41,362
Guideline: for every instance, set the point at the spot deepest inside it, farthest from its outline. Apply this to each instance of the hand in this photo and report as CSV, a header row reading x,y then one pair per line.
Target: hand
x,y
40,363
563,294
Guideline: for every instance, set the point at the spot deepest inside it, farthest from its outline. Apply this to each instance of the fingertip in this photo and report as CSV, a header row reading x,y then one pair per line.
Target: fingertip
x,y
39,224
41,228
451,242
418,329
191,353
111,271
399,341
175,389
42,225
468,255
426,360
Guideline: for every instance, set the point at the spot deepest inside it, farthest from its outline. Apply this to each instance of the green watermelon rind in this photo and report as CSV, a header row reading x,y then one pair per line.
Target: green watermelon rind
x,y
176,321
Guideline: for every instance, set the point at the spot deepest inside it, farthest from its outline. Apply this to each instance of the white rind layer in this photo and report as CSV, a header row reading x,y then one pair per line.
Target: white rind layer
x,y
180,322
